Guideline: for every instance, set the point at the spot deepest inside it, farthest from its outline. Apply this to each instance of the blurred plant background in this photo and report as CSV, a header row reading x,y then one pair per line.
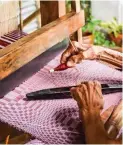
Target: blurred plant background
x,y
107,34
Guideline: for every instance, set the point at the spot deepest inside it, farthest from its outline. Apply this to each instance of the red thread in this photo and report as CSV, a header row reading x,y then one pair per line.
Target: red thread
x,y
61,67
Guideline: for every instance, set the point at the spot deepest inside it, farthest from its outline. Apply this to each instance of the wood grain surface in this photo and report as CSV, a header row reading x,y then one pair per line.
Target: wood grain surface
x,y
24,50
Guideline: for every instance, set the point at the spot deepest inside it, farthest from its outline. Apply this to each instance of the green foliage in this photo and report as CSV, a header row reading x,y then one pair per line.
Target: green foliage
x,y
95,27
86,6
101,30
100,39
112,27
68,5
68,2
91,25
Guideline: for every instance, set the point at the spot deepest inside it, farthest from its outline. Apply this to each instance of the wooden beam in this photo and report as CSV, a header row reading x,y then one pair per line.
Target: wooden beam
x,y
24,50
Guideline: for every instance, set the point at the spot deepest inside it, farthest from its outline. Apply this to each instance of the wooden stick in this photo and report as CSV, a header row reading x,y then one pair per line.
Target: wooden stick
x,y
24,50
21,20
30,18
62,8
119,49
72,44
20,139
37,3
7,139
76,7
111,61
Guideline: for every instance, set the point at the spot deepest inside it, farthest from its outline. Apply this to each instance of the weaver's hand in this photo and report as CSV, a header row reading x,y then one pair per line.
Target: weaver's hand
x,y
90,101
72,56
114,123
88,96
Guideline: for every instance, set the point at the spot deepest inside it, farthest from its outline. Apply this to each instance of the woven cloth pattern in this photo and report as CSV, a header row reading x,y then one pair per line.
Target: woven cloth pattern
x,y
11,37
34,141
55,121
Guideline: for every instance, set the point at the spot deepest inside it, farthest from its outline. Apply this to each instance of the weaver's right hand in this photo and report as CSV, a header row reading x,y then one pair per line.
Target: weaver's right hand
x,y
88,96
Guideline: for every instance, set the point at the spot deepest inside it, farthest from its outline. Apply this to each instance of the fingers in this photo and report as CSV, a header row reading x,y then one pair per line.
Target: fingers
x,y
76,94
98,89
120,137
98,99
90,85
82,47
114,123
73,93
89,54
67,53
73,60
78,48
88,95
86,46
107,113
117,115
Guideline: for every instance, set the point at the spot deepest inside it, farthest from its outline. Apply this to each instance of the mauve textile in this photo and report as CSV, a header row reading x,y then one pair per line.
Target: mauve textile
x,y
11,37
55,121
34,141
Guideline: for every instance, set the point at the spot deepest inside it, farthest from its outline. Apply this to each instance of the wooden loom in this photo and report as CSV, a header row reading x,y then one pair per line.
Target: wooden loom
x,y
33,51
18,60
15,58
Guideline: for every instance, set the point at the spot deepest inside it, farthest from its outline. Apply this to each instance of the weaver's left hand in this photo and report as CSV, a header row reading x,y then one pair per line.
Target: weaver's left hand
x,y
72,56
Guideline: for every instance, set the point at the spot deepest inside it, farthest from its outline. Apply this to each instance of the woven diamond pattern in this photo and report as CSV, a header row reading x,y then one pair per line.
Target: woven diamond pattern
x,y
55,121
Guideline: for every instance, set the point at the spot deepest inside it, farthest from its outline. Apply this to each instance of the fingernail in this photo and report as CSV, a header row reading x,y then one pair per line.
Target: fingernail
x,y
73,88
70,64
62,61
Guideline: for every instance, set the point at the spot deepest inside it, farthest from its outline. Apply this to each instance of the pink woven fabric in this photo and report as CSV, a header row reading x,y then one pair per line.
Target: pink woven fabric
x,y
11,37
34,141
55,121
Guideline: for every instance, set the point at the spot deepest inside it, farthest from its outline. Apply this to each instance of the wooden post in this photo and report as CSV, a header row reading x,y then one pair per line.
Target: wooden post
x,y
37,3
21,20
8,16
62,8
51,10
75,5
30,18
